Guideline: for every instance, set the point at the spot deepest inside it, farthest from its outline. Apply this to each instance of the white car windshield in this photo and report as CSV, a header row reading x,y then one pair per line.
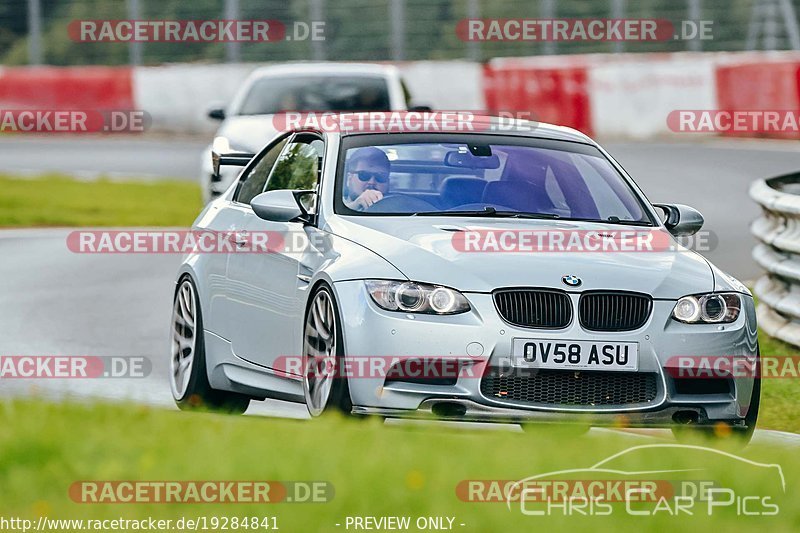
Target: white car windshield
x,y
316,93
553,179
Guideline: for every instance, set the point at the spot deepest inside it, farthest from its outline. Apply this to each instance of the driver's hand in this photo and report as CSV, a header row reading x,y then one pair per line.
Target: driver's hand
x,y
367,198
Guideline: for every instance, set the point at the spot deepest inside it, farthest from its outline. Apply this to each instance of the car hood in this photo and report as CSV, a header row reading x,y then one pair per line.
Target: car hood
x,y
423,250
248,133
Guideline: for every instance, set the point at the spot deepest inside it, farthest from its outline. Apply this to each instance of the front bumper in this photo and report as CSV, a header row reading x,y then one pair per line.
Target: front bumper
x,y
481,335
469,411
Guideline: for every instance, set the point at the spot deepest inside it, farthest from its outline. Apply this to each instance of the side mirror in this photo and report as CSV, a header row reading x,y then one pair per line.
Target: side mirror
x,y
681,220
280,206
216,113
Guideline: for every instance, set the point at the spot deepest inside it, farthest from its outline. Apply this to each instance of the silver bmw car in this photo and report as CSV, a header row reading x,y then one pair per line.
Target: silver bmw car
x,y
490,273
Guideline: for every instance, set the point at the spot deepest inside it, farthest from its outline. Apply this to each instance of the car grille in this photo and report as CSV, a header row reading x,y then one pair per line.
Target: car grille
x,y
614,311
534,308
568,387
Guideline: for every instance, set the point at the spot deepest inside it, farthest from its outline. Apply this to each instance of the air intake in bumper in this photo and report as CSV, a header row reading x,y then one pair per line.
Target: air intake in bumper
x,y
571,388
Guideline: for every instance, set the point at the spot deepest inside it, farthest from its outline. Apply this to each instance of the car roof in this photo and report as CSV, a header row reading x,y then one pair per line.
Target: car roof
x,y
326,69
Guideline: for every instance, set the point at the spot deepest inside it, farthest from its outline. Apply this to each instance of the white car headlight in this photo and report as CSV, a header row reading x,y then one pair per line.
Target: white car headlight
x,y
716,308
412,297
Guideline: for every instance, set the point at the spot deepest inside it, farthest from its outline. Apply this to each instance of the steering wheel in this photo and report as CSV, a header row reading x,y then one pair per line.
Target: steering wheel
x,y
400,203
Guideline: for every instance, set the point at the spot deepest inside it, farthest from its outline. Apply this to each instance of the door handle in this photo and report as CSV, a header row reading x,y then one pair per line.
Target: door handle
x,y
238,239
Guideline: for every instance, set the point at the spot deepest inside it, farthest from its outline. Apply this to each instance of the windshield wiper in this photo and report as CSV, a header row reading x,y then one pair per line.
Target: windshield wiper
x,y
517,214
488,211
614,220
491,212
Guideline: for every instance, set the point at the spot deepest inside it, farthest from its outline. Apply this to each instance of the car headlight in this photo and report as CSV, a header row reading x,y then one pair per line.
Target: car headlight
x,y
716,308
412,297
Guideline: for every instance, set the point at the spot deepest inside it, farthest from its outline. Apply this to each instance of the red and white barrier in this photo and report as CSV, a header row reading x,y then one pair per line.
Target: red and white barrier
x,y
771,86
632,98
177,97
606,95
633,95
60,88
552,94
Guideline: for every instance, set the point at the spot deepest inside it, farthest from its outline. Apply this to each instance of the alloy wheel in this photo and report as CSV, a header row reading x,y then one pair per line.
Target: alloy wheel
x,y
184,339
319,353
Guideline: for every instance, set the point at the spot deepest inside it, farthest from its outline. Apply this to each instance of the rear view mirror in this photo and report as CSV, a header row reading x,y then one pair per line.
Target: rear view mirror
x,y
236,159
222,155
681,220
216,113
467,160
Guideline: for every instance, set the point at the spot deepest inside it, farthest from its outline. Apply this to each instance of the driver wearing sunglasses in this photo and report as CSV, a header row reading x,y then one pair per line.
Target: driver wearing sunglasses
x,y
367,178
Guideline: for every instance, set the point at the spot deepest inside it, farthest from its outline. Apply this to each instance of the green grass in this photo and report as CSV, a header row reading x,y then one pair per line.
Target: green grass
x,y
56,200
780,398
376,470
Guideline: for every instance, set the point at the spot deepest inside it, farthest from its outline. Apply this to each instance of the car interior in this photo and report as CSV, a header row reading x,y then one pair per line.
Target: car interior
x,y
512,178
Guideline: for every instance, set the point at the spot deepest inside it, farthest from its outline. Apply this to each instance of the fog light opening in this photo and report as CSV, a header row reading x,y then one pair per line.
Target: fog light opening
x,y
449,409
685,418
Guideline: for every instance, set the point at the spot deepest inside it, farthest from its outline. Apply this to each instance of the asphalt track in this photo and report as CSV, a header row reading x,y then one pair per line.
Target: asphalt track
x,y
55,302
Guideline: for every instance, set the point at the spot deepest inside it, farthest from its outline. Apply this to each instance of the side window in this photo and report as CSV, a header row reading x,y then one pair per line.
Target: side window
x,y
253,183
298,168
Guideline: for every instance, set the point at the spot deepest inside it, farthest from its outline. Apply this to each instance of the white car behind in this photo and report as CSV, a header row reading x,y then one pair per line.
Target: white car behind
x,y
247,122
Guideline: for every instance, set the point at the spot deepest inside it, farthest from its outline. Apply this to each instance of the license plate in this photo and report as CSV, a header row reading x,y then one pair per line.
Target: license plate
x,y
583,355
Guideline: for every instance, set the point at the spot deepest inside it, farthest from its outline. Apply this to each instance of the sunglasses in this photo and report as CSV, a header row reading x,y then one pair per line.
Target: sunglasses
x,y
366,175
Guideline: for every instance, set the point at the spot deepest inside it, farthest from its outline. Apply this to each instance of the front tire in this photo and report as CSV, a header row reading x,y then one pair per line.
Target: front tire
x,y
324,386
188,372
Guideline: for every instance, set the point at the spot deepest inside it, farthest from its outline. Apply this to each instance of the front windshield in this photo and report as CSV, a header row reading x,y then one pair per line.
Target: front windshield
x,y
541,179
269,96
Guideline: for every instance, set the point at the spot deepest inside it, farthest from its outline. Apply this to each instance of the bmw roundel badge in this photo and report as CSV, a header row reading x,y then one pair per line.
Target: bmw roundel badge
x,y
572,281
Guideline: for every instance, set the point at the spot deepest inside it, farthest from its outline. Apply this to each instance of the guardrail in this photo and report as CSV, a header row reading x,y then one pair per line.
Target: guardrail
x,y
778,253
